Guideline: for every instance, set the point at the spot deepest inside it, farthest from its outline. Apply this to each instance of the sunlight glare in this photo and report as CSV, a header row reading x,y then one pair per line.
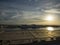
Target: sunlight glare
x,y
50,28
49,18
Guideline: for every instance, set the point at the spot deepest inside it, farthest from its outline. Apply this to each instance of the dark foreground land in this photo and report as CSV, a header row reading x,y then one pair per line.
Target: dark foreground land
x,y
42,42
55,42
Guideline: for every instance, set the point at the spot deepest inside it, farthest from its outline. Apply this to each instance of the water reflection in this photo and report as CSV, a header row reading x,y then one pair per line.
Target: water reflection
x,y
53,32
50,32
37,33
50,28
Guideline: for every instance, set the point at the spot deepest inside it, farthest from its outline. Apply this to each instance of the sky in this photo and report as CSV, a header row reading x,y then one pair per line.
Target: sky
x,y
29,11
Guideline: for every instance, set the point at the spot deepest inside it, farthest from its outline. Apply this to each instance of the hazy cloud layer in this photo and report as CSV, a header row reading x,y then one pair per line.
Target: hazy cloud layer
x,y
28,11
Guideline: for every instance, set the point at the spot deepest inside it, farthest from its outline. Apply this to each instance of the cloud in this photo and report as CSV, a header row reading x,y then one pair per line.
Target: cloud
x,y
52,11
27,11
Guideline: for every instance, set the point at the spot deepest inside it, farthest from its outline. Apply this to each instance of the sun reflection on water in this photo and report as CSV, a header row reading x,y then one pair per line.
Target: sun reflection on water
x,y
50,31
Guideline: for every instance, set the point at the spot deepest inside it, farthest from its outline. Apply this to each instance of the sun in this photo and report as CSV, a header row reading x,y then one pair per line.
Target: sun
x,y
50,28
49,18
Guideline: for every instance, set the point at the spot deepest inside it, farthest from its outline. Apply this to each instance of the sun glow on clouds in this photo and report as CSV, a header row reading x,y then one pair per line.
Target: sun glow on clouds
x,y
52,11
30,11
50,15
49,18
